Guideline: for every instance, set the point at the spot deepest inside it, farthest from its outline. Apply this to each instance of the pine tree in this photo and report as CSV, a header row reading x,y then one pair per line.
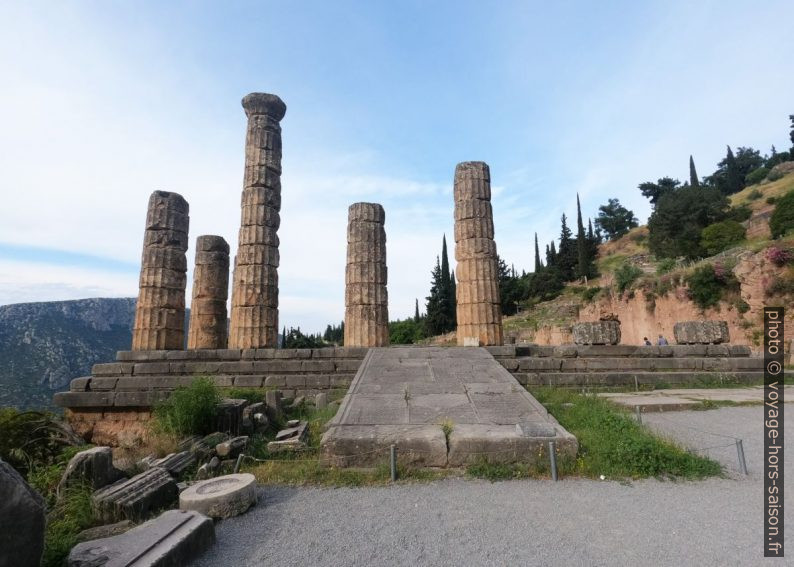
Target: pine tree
x,y
538,265
435,315
693,175
551,255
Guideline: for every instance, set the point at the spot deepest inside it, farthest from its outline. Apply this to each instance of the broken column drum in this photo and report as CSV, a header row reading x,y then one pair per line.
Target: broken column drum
x,y
254,313
208,327
479,311
366,298
160,311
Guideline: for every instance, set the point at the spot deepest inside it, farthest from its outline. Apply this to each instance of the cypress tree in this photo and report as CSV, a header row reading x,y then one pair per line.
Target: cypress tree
x,y
565,258
447,292
444,264
693,175
538,265
453,287
284,337
582,261
416,311
435,313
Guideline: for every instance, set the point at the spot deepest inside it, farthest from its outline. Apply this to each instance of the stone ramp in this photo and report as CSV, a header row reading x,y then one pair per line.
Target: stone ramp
x,y
441,406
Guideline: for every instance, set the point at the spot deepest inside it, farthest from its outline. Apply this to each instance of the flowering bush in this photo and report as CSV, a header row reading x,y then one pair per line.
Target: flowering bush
x,y
779,256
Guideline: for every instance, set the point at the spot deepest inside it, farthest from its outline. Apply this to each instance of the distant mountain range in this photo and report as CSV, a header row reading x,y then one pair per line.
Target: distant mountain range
x,y
44,345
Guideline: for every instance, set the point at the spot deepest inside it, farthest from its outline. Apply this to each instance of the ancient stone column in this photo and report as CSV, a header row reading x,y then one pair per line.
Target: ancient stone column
x,y
366,299
160,311
478,307
254,316
210,290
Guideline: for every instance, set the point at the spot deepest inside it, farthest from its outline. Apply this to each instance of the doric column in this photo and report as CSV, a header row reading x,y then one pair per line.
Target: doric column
x,y
254,316
160,311
479,310
366,298
210,291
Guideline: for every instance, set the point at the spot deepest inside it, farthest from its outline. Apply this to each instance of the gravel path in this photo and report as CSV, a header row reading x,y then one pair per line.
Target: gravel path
x,y
572,522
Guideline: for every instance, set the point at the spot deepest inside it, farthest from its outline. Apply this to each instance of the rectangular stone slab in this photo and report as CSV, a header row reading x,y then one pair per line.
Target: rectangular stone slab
x,y
176,537
422,398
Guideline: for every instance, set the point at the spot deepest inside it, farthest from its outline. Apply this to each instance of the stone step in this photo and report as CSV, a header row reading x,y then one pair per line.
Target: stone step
x,y
242,354
176,537
628,378
235,367
619,351
603,364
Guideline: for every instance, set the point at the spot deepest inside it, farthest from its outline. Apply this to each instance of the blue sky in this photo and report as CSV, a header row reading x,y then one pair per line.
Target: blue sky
x,y
103,102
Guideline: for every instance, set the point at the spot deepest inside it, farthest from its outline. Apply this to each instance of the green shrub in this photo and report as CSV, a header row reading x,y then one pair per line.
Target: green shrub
x,y
29,438
771,200
782,285
775,175
756,176
589,293
189,410
722,235
666,265
782,219
708,283
626,275
740,213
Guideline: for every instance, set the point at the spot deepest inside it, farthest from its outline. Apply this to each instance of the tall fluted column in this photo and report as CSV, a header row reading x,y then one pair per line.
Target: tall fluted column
x,y
210,290
479,310
254,316
160,311
366,298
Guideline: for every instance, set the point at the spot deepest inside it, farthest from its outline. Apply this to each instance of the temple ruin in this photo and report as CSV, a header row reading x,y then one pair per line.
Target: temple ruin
x,y
254,313
210,290
479,310
366,298
160,311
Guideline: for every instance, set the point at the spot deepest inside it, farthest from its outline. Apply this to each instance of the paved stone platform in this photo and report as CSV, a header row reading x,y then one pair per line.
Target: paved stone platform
x,y
688,398
440,406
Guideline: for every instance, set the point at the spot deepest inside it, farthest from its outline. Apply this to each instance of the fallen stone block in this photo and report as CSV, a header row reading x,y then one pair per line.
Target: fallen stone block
x,y
176,463
205,447
290,439
321,400
93,466
22,517
108,530
273,405
596,333
135,498
230,415
209,469
701,332
221,497
232,448
174,538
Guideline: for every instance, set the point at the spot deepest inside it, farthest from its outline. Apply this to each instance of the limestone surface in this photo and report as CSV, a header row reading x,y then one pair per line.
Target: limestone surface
x,y
210,290
22,517
366,296
176,537
93,466
254,313
701,332
438,406
596,333
220,497
160,311
479,314
135,498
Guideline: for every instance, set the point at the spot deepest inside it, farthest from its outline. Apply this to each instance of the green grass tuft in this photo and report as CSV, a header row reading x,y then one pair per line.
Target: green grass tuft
x,y
613,444
189,410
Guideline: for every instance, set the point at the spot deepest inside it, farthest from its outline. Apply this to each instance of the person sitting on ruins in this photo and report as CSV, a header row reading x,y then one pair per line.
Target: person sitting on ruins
x,y
662,341
647,342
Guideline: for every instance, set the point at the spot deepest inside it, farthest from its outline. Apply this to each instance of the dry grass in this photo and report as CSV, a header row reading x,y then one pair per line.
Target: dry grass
x,y
771,189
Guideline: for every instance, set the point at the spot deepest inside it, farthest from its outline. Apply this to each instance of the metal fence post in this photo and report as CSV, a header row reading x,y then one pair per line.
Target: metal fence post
x,y
238,463
393,463
553,459
740,452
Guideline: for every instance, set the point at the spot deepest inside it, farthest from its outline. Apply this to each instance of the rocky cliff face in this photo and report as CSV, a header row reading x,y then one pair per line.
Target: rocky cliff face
x,y
44,345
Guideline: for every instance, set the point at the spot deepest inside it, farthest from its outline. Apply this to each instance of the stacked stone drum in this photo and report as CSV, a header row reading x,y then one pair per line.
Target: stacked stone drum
x,y
366,298
254,315
210,290
478,307
160,311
